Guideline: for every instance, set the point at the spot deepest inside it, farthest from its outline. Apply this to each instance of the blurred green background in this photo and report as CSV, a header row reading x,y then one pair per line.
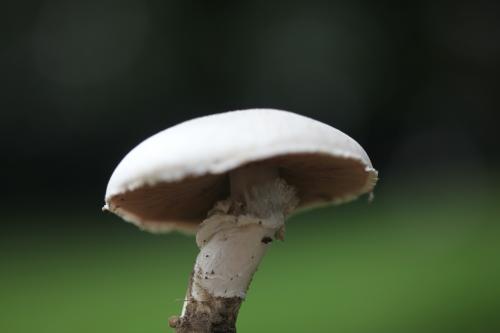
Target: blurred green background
x,y
415,264
82,82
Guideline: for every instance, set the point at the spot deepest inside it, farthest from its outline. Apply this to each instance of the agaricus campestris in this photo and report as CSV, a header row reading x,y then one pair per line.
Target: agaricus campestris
x,y
233,178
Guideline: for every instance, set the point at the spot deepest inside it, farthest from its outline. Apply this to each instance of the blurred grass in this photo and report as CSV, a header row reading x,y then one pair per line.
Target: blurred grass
x,y
402,264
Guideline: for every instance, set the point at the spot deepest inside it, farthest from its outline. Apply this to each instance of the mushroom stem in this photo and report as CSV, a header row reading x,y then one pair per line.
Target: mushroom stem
x,y
232,241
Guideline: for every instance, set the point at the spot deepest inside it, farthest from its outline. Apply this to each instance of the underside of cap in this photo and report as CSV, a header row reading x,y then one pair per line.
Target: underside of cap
x,y
171,181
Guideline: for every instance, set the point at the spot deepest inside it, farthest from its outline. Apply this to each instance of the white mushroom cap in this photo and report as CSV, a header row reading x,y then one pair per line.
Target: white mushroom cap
x,y
172,179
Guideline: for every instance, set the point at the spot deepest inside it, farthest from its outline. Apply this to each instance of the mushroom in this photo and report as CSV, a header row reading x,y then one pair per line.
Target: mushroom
x,y
233,178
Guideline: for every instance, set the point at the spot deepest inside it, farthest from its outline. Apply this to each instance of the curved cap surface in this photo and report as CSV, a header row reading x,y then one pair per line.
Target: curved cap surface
x,y
172,179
